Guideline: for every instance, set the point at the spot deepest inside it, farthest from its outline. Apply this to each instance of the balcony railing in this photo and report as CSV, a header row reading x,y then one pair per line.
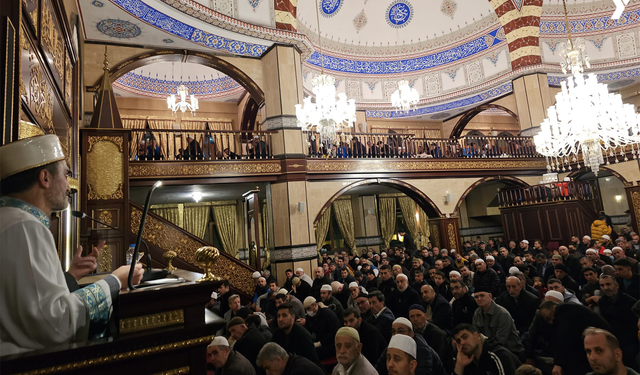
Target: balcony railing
x,y
376,145
180,145
544,193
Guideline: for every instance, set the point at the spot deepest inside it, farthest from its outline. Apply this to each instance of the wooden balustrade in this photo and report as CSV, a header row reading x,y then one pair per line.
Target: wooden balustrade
x,y
391,145
543,193
170,145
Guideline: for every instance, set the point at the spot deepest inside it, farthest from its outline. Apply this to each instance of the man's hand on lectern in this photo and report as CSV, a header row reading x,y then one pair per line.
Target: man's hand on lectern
x,y
82,266
122,273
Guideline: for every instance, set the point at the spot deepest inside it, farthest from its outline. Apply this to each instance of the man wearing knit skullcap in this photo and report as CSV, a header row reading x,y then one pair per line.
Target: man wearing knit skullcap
x,y
349,354
428,361
401,356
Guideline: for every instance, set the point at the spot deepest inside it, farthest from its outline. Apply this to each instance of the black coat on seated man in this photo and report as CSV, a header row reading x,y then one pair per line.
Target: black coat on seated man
x,y
488,279
616,309
463,309
429,362
298,341
399,302
441,312
249,346
298,365
317,284
439,341
324,326
373,342
522,308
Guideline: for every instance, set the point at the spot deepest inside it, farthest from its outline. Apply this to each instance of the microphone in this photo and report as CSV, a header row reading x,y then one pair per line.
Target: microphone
x,y
82,215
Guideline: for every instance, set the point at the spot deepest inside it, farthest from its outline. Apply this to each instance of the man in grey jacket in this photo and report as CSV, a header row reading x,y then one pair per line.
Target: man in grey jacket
x,y
495,322
348,354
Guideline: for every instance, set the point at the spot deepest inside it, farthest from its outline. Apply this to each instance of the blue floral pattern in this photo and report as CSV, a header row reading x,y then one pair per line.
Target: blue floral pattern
x,y
35,211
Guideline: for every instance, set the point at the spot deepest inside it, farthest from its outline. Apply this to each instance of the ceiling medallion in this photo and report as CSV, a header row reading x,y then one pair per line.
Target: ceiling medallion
x,y
330,8
448,8
360,21
97,3
586,118
118,28
399,14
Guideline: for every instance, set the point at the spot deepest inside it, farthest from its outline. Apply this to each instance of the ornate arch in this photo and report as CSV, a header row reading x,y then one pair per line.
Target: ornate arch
x,y
411,191
470,114
512,180
576,174
183,55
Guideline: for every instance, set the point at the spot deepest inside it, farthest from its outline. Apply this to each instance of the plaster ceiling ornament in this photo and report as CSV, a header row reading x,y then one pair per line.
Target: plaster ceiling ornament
x,y
621,83
360,21
448,7
518,4
586,118
553,46
167,40
598,41
440,116
399,14
118,28
254,4
330,8
97,3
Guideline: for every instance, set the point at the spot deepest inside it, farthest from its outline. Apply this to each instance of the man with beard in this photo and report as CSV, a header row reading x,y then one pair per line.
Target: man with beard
x,y
584,245
591,289
463,305
326,295
615,307
403,297
292,337
495,322
387,284
486,277
349,354
320,280
435,337
373,343
467,276
477,356
437,308
364,306
604,353
323,323
521,304
249,341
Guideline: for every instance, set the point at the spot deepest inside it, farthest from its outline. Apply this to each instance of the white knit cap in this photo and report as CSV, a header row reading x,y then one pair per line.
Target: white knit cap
x,y
353,284
256,275
513,270
29,153
591,251
283,291
555,294
404,343
402,276
404,321
605,237
326,288
616,247
525,242
607,251
479,261
383,253
299,270
454,273
587,237
308,302
490,257
219,341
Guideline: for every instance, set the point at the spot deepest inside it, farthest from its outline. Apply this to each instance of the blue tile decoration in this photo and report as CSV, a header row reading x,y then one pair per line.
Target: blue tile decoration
x,y
408,65
602,77
548,27
330,8
118,28
164,87
97,3
254,4
494,58
553,46
371,85
598,41
399,13
147,14
475,99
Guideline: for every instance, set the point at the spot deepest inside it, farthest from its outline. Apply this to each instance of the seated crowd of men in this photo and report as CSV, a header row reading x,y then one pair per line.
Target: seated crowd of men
x,y
489,308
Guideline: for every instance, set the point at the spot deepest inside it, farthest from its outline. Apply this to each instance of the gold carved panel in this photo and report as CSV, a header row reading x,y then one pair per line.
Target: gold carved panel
x,y
28,130
105,168
435,235
31,6
202,169
68,82
635,202
105,259
451,232
167,237
393,165
110,216
151,321
52,42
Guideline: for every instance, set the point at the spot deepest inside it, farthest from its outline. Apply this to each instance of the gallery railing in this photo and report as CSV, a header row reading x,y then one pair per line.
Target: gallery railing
x,y
181,145
391,145
543,193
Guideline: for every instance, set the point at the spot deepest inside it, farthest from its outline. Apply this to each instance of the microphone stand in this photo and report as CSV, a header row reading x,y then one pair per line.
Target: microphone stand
x,y
145,212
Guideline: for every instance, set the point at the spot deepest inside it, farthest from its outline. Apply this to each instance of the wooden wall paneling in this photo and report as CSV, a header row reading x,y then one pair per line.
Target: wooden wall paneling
x,y
532,226
509,223
574,221
555,228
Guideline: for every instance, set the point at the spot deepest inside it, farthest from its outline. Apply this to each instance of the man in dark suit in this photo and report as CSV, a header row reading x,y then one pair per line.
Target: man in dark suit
x,y
292,337
373,343
382,317
409,244
437,309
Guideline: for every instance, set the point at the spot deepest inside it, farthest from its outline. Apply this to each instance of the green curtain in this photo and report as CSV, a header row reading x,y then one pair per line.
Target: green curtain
x,y
171,213
344,216
323,227
387,213
408,209
196,219
227,222
424,227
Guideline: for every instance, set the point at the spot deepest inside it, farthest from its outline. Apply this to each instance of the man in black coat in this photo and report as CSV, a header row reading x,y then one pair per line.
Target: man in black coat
x,y
571,261
477,356
382,317
320,280
562,273
373,343
464,305
437,338
437,308
323,323
521,304
615,307
248,341
408,242
403,297
387,284
569,321
292,337
486,277
275,359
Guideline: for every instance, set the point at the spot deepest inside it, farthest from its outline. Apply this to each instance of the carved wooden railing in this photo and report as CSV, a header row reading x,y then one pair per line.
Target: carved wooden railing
x,y
162,235
391,145
168,145
543,193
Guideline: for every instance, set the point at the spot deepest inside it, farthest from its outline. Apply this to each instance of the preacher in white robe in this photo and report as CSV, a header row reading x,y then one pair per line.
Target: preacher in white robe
x,y
36,308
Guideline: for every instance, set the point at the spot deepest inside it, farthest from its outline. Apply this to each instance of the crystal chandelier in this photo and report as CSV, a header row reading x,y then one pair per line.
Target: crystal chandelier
x,y
183,104
586,118
327,115
405,96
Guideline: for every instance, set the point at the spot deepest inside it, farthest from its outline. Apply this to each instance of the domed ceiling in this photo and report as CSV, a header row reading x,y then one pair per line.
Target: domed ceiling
x,y
456,53
160,80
